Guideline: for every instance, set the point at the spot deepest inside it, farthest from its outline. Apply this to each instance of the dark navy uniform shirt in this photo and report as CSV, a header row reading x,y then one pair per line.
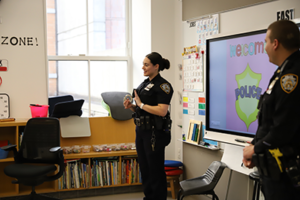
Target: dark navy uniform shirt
x,y
154,92
279,116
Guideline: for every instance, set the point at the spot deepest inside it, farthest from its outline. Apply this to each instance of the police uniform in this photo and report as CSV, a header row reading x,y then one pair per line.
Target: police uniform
x,y
279,123
150,144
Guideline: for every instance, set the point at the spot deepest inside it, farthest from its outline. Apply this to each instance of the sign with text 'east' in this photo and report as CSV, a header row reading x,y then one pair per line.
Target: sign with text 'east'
x,y
288,14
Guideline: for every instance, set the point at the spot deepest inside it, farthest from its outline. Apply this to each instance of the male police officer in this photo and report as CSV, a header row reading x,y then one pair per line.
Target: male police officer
x,y
276,146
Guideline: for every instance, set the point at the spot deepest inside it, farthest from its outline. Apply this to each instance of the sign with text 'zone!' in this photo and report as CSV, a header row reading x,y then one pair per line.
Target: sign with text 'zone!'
x,y
246,72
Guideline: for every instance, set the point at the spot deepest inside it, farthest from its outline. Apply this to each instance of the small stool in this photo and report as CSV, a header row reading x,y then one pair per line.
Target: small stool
x,y
173,173
256,190
173,163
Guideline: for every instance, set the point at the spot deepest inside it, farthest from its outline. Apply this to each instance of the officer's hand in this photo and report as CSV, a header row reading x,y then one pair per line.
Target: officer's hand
x,y
248,163
127,104
137,99
248,151
247,156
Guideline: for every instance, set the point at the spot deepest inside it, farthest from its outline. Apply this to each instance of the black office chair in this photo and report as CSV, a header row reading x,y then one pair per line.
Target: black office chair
x,y
64,106
204,184
115,102
67,108
54,100
40,144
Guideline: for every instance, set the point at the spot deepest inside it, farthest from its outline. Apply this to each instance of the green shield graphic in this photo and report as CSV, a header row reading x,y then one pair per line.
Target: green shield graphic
x,y
246,107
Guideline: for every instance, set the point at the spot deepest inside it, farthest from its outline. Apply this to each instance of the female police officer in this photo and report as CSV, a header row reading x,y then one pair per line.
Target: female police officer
x,y
152,99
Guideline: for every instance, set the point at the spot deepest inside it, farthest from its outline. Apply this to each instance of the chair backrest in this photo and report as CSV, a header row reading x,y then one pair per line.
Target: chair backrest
x,y
214,173
115,102
67,108
40,135
54,100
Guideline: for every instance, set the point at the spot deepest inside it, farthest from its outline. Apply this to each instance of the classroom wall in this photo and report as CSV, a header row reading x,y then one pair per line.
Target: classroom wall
x,y
162,33
26,79
197,159
195,8
153,31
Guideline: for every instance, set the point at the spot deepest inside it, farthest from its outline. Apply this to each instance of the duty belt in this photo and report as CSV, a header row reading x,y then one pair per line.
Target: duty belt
x,y
144,122
147,122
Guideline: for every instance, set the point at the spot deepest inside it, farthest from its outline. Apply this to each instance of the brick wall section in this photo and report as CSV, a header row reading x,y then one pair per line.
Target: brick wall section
x,y
51,43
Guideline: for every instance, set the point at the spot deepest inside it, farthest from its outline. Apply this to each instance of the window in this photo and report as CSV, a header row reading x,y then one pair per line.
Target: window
x,y
88,50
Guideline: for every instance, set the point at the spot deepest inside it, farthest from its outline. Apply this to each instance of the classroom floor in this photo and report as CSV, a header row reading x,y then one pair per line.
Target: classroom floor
x,y
127,196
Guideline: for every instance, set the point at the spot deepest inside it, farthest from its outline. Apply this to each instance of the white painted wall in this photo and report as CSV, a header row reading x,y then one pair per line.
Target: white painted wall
x,y
162,34
153,29
178,85
25,81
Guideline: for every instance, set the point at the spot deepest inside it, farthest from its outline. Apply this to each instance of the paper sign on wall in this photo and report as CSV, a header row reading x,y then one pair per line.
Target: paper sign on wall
x,y
3,65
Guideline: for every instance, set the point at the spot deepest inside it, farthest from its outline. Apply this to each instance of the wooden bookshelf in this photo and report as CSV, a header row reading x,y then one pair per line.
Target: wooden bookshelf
x,y
99,154
104,130
9,131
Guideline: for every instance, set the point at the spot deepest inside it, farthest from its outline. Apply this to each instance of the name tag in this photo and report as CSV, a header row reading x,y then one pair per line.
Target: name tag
x,y
149,86
269,91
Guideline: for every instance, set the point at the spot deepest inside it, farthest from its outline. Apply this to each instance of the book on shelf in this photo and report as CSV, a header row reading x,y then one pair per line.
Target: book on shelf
x,y
100,175
101,172
76,175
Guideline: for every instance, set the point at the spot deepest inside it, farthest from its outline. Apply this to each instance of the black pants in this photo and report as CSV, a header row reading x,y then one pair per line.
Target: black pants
x,y
152,163
279,190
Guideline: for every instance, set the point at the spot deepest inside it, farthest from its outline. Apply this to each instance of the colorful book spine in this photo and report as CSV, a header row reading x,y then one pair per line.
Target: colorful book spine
x,y
196,134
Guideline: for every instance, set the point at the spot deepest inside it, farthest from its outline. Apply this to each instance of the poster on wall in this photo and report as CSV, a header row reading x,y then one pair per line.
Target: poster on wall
x,y
3,65
192,70
206,28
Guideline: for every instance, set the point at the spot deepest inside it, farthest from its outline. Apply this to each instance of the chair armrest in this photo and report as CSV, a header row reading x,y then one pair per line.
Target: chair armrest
x,y
12,147
9,147
54,149
59,152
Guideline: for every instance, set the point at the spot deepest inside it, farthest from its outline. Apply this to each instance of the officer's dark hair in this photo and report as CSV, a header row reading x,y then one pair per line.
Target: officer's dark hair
x,y
286,32
156,58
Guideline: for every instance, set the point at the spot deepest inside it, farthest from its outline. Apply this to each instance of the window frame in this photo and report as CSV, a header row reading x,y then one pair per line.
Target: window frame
x,y
89,59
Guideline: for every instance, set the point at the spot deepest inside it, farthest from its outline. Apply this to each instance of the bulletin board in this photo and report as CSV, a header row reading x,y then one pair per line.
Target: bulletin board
x,y
193,76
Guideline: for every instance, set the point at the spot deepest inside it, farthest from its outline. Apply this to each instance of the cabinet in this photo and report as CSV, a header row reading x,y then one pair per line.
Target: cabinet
x,y
104,130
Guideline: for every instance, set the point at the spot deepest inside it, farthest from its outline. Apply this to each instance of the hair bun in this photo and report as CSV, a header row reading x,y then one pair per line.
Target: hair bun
x,y
165,64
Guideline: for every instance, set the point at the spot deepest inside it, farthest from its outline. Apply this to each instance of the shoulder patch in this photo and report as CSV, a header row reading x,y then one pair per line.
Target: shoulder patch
x,y
289,82
165,87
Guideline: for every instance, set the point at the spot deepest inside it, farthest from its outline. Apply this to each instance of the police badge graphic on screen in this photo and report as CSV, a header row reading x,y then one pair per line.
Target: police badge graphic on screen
x,y
239,73
248,73
247,95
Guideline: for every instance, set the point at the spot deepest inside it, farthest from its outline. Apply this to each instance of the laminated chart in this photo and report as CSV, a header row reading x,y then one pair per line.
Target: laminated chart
x,y
192,70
